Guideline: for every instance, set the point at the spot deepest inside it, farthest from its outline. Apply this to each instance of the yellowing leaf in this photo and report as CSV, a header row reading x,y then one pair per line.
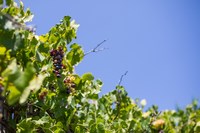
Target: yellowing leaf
x,y
2,50
11,69
43,38
14,94
87,76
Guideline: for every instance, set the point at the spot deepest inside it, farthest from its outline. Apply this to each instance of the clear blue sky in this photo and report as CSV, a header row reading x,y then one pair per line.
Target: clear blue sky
x,y
157,41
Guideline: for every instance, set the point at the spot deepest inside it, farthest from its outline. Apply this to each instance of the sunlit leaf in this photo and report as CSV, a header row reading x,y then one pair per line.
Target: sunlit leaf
x,y
11,70
75,55
34,86
2,50
23,81
87,76
14,94
26,126
39,56
197,127
100,128
43,120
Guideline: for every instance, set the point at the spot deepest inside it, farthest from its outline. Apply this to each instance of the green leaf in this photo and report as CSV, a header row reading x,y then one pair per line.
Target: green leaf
x,y
14,94
6,38
100,128
2,50
10,39
28,18
197,127
75,55
77,129
12,69
1,2
43,120
18,42
20,81
34,85
59,130
59,124
66,20
39,56
9,2
87,76
93,96
23,81
70,117
26,126
93,128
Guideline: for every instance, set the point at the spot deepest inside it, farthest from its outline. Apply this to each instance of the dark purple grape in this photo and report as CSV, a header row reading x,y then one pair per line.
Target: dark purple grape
x,y
68,91
1,88
62,54
59,61
52,52
73,85
56,72
58,75
58,66
58,57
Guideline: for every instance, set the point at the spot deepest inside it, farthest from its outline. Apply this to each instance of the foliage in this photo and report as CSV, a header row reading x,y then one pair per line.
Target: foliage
x,y
37,79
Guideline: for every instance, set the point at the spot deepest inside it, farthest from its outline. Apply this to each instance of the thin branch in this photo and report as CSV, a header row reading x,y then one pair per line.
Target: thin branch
x,y
120,81
119,97
99,44
95,49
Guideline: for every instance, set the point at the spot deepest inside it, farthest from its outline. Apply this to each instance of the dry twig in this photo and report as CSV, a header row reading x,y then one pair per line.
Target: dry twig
x,y
122,78
95,49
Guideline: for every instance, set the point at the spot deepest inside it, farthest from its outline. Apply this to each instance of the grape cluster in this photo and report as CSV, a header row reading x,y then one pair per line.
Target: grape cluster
x,y
69,82
57,55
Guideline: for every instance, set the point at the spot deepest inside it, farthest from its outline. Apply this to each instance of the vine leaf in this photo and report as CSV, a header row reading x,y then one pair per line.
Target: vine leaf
x,y
2,50
34,85
75,55
87,76
14,94
39,56
23,80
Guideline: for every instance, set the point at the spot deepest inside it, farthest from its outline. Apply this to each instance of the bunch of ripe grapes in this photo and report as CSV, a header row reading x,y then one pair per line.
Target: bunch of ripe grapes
x,y
57,55
69,82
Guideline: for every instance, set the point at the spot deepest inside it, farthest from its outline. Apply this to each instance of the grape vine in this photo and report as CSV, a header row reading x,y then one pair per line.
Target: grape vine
x,y
40,91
